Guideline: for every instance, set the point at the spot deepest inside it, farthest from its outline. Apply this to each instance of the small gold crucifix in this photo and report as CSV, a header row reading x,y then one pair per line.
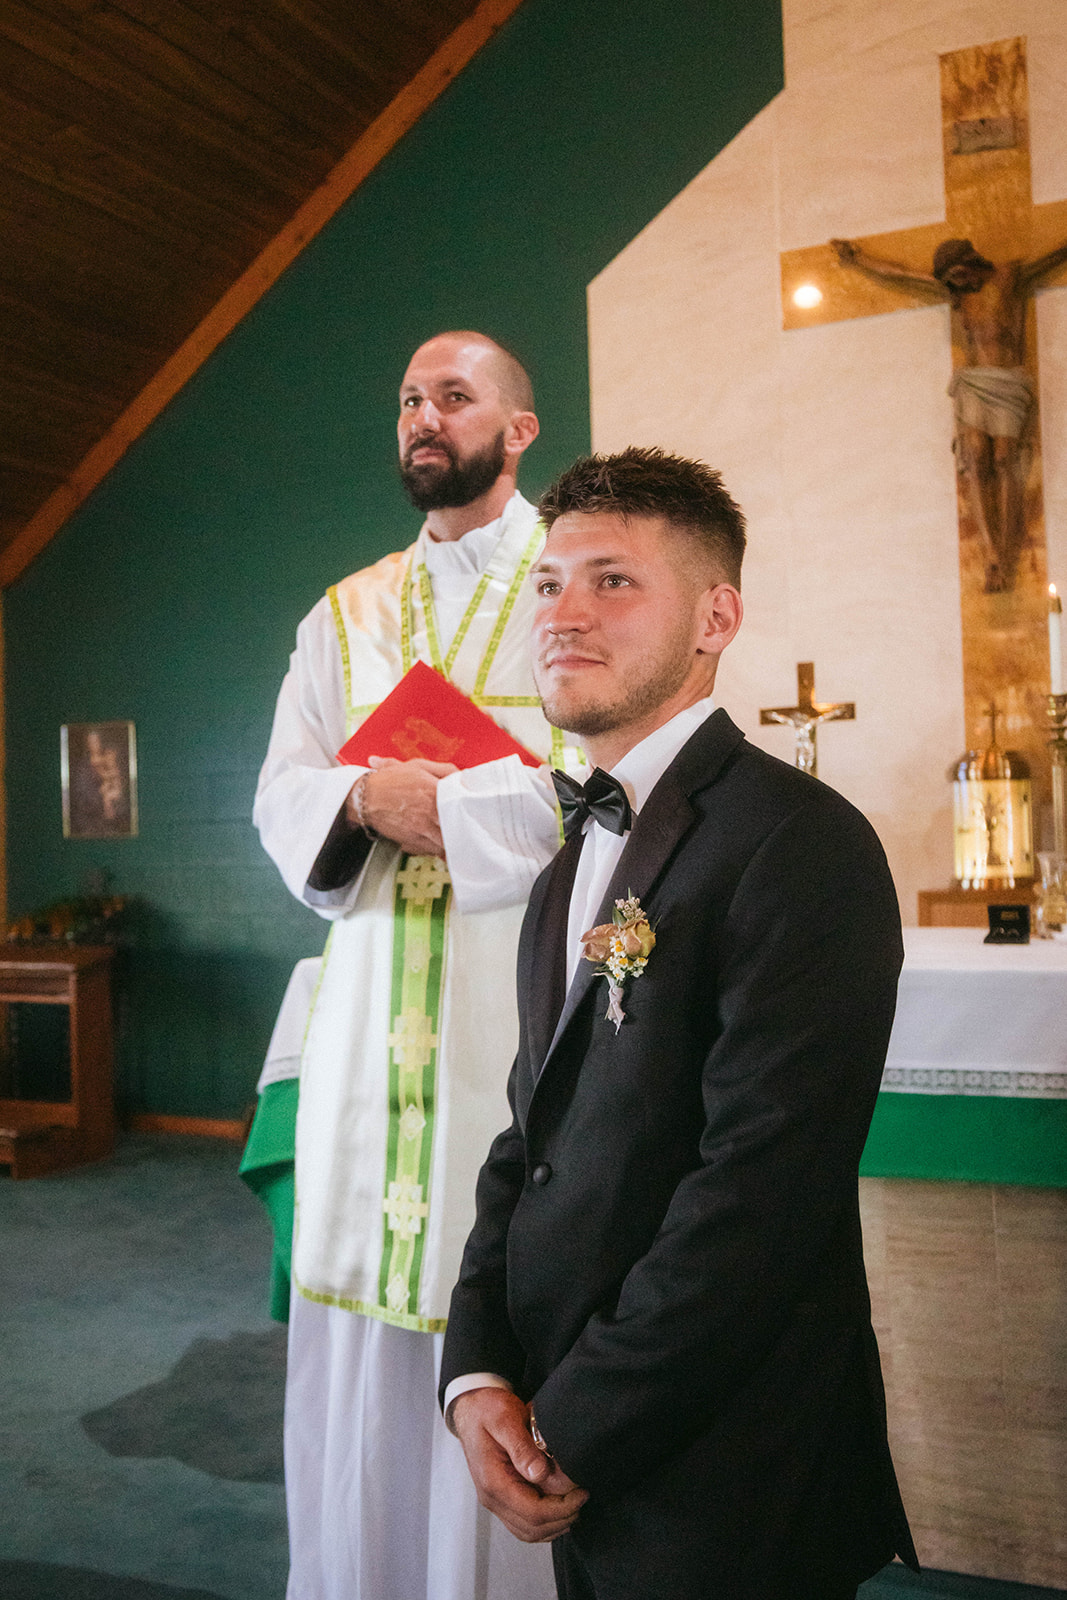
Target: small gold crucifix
x,y
805,717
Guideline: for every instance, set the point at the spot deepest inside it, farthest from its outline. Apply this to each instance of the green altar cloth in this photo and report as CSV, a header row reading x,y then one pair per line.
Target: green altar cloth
x,y
267,1168
975,1138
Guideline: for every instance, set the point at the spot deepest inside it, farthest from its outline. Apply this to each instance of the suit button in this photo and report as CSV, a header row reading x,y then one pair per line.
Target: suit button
x,y
541,1173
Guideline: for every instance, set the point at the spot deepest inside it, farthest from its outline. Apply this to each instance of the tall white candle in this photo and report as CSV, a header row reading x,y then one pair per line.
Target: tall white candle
x,y
1055,645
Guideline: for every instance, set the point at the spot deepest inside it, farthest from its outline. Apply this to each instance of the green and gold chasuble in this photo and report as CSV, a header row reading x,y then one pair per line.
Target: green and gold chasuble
x,y
413,1029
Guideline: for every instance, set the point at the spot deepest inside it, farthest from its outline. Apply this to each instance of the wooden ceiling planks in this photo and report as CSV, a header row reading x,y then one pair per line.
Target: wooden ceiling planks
x,y
158,159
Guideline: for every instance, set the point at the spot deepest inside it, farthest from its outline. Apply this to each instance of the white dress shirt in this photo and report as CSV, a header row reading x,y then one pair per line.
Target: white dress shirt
x,y
639,771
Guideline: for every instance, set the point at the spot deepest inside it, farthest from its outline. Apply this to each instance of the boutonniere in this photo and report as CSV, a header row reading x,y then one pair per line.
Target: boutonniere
x,y
621,948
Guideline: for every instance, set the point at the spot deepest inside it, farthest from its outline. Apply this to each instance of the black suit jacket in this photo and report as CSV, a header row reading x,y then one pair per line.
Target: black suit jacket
x,y
667,1254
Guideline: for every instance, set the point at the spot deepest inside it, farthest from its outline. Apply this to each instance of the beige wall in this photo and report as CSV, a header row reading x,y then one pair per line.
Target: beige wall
x,y
836,440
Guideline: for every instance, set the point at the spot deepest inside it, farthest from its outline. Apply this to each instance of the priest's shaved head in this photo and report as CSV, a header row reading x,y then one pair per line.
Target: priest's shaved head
x,y
501,364
509,374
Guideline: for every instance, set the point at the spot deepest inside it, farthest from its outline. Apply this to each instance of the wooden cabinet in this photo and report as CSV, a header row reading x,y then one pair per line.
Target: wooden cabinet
x,y
39,1136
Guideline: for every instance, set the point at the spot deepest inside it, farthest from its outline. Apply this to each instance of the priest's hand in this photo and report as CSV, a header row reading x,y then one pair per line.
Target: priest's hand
x,y
530,1493
398,801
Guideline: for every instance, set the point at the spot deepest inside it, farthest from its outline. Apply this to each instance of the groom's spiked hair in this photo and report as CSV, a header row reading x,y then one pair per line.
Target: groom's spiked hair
x,y
646,482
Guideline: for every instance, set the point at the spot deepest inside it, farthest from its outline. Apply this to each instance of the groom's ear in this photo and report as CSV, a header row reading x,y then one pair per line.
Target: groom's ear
x,y
719,615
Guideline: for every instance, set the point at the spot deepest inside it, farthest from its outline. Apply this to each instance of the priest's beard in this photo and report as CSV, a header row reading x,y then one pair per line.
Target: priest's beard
x,y
431,486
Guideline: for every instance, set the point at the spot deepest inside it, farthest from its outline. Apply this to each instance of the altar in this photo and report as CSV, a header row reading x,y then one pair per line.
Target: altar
x,y
964,1202
975,1083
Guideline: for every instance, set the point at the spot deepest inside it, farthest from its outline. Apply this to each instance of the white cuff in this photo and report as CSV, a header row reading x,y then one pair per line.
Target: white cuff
x,y
469,1381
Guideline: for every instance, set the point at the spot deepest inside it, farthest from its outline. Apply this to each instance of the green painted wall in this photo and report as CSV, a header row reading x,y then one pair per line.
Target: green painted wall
x,y
172,598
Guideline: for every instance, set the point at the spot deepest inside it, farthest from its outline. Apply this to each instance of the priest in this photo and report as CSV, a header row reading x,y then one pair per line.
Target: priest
x,y
423,872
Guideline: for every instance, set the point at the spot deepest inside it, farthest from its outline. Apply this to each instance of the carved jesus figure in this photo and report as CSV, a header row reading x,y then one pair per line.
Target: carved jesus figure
x,y
993,392
805,722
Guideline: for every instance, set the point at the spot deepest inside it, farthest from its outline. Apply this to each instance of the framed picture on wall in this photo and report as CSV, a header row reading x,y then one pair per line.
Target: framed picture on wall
x,y
98,772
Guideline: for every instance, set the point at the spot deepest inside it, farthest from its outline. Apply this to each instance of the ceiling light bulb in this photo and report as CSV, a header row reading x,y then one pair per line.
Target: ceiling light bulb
x,y
807,296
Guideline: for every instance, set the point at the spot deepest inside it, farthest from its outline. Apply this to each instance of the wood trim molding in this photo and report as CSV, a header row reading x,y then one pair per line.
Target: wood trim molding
x,y
204,1127
3,776
383,134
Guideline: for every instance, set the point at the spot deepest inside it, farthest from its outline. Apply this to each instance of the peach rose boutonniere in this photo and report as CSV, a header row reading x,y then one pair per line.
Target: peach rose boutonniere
x,y
621,949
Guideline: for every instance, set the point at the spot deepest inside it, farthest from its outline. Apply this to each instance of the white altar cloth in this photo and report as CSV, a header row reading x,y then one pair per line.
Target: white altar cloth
x,y
979,1019
287,1041
972,1018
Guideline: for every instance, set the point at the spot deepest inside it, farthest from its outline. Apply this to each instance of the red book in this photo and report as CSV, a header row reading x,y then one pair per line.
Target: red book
x,y
429,717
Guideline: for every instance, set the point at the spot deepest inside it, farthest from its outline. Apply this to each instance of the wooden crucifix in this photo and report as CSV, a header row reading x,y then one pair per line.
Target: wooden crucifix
x,y
993,250
806,716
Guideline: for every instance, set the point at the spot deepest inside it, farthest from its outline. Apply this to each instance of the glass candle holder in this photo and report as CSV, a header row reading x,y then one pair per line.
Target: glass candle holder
x,y
1050,896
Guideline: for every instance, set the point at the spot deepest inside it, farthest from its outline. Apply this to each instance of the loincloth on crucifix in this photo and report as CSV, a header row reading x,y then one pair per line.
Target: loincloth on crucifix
x,y
996,400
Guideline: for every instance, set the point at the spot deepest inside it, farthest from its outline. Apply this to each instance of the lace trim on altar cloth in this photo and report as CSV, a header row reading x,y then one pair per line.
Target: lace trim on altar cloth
x,y
1021,1083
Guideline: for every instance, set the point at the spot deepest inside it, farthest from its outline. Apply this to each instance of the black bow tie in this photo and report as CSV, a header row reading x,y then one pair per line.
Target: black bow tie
x,y
603,798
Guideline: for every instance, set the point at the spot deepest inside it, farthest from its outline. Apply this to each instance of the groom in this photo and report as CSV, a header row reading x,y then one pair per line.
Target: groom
x,y
659,1352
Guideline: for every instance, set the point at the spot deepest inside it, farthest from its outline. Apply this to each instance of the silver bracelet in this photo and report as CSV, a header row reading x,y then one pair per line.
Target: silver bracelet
x,y
357,806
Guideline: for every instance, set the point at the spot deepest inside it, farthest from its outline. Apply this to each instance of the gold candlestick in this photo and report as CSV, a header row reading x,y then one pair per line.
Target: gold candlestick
x,y
1057,718
992,816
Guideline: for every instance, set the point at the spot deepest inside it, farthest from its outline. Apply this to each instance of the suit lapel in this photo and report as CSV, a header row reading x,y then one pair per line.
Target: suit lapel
x,y
548,950
662,823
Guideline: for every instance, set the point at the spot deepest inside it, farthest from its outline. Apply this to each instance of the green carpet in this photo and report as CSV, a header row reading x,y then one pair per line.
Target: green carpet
x,y
31,1580
140,1438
